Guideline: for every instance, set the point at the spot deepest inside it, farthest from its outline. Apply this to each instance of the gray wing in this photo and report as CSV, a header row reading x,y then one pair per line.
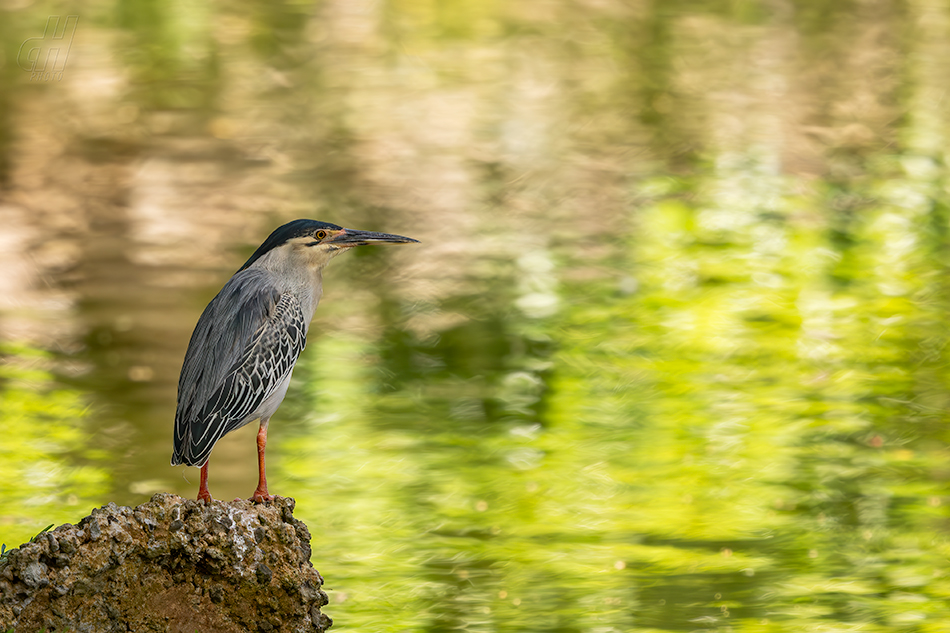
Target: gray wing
x,y
245,344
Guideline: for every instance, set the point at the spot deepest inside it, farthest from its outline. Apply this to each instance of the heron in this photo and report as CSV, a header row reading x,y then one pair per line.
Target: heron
x,y
248,340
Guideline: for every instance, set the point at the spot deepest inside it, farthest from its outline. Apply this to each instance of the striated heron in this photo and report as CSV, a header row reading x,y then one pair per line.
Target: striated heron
x,y
247,341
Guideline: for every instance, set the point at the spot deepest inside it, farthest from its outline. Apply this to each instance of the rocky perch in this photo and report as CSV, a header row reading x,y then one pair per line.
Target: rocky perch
x,y
167,565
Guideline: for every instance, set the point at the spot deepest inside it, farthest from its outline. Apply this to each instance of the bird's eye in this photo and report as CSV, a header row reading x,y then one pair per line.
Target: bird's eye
x,y
320,234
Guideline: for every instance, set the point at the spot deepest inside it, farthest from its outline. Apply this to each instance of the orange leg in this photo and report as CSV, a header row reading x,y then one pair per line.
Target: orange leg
x,y
261,495
203,494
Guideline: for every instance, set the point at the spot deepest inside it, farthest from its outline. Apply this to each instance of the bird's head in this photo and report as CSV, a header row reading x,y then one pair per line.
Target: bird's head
x,y
312,244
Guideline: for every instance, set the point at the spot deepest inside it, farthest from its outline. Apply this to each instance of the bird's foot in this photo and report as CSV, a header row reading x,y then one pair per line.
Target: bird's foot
x,y
205,496
261,496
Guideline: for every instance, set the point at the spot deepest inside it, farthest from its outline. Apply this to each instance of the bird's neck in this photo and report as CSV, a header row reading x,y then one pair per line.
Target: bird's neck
x,y
304,282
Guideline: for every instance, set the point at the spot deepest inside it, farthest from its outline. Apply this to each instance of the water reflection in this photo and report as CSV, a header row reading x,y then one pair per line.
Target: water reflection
x,y
46,465
670,356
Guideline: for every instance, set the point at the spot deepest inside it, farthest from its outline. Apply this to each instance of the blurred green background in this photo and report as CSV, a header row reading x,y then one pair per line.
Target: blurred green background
x,y
671,356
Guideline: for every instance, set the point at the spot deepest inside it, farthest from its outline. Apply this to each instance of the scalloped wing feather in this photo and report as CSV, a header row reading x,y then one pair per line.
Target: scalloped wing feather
x,y
231,369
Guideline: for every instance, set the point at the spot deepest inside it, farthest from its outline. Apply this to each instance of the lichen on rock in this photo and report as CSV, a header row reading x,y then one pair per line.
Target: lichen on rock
x,y
167,565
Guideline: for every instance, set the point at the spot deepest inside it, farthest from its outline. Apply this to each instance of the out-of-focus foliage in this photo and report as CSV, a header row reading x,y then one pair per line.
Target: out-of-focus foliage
x,y
42,478
739,431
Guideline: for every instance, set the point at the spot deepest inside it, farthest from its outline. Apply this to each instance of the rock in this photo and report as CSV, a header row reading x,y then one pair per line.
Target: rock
x,y
168,565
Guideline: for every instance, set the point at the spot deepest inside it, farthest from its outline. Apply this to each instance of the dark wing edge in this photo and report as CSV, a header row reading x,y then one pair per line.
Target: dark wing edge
x,y
271,331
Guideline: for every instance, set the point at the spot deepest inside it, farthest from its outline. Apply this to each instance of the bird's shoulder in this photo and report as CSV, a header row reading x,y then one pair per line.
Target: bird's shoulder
x,y
246,290
227,328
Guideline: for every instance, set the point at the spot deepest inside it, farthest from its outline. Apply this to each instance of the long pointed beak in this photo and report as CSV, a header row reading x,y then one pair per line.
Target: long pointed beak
x,y
352,237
